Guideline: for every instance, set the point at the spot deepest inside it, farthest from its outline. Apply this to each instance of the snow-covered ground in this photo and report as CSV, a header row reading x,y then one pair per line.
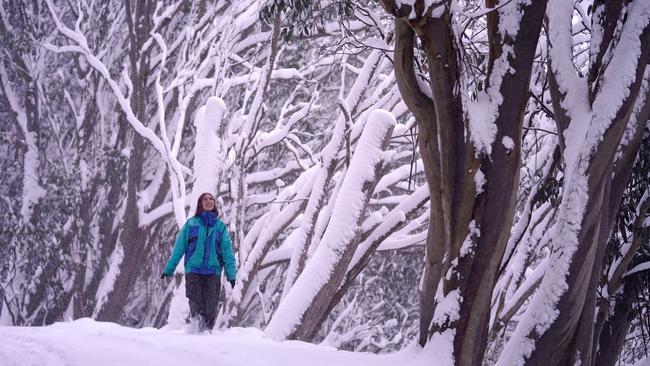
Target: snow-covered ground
x,y
87,342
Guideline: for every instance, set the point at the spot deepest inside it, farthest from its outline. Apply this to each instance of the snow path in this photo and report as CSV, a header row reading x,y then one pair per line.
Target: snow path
x,y
87,342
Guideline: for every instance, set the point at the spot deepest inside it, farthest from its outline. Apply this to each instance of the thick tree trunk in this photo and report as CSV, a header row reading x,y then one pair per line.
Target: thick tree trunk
x,y
569,339
469,225
107,235
423,108
129,251
494,209
131,242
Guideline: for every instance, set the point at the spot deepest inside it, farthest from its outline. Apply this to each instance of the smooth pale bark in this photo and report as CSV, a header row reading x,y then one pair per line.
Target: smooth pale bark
x,y
422,107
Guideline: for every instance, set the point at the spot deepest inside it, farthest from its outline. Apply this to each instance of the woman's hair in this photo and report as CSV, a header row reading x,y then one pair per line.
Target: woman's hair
x,y
199,205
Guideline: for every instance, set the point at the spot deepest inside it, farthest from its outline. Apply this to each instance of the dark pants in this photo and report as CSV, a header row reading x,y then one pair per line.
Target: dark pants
x,y
203,294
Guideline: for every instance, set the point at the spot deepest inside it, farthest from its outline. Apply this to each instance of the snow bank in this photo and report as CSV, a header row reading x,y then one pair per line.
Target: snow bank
x,y
87,342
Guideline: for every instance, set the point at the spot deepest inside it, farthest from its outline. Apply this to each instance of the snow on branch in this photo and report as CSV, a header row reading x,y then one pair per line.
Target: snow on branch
x,y
638,268
619,268
32,190
621,73
341,230
390,223
328,166
82,48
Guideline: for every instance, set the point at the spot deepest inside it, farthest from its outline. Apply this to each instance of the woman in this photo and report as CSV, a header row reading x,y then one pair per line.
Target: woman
x,y
205,242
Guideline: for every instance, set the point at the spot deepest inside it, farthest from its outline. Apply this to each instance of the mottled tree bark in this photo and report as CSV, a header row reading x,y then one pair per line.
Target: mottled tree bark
x,y
570,338
451,162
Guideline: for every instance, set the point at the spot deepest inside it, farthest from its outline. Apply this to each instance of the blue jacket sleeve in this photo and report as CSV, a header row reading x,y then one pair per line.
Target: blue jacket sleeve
x,y
179,250
228,256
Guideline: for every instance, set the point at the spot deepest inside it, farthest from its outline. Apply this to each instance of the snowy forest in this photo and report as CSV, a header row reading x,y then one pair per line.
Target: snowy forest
x,y
471,176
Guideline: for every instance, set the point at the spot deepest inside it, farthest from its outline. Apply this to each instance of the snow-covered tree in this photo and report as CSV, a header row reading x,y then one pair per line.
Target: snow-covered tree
x,y
128,80
599,134
470,142
504,142
473,152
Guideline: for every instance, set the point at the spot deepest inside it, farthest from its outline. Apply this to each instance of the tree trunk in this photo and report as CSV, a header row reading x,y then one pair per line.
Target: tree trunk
x,y
569,287
131,243
614,330
470,222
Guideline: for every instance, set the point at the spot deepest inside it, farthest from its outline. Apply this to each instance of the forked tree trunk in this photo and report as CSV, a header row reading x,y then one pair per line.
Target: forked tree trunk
x,y
590,198
470,221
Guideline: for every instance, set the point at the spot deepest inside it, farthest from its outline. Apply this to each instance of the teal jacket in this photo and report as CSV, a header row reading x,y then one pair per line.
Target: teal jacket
x,y
207,250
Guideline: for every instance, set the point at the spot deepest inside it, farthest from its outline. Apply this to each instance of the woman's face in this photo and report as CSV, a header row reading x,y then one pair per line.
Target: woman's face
x,y
207,202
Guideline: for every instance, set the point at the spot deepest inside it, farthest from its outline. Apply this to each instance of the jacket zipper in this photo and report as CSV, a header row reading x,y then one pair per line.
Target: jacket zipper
x,y
205,247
